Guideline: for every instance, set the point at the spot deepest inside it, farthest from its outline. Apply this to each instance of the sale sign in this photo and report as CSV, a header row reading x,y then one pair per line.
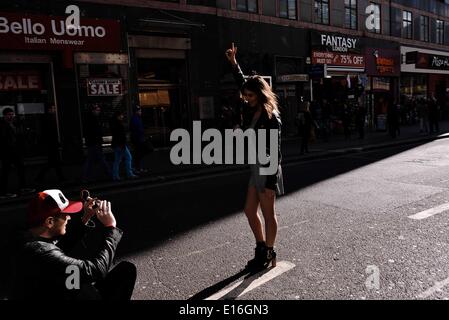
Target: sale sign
x,y
338,59
21,80
104,87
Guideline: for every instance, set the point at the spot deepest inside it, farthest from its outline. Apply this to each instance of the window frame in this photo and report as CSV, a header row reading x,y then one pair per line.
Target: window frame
x,y
319,18
440,31
407,23
424,24
288,10
246,3
352,9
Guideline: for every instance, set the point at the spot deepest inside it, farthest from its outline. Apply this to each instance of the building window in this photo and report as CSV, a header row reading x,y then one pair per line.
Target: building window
x,y
287,9
440,31
247,5
322,11
424,28
407,25
351,14
376,12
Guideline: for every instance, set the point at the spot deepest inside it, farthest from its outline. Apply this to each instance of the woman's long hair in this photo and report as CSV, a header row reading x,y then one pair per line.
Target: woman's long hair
x,y
265,95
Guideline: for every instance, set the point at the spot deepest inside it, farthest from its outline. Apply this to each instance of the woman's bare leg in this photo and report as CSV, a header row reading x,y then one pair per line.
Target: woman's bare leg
x,y
251,208
267,199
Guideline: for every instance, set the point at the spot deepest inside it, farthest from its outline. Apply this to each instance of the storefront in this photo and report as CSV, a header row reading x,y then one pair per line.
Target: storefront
x,y
383,71
424,73
340,62
37,69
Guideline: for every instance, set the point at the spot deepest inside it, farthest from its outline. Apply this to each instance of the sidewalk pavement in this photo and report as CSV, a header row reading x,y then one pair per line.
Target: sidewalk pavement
x,y
161,168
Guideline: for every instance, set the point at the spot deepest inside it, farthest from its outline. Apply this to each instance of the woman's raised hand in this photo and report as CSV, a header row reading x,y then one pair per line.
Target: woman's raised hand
x,y
231,53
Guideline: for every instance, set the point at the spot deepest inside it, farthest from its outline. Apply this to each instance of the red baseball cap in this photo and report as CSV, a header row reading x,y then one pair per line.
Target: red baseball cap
x,y
49,203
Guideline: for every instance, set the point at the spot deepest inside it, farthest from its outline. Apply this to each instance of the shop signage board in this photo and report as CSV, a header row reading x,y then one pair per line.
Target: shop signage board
x,y
382,62
18,81
338,59
42,32
432,61
337,50
330,42
104,87
293,78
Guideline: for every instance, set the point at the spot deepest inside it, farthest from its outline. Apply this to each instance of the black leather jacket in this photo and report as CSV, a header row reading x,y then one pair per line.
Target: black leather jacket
x,y
264,122
40,266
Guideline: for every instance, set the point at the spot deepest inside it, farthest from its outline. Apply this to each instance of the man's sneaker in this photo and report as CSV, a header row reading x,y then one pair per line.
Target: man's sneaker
x,y
8,196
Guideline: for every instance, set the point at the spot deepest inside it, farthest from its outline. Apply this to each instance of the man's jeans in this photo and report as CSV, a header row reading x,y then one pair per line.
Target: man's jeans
x,y
119,153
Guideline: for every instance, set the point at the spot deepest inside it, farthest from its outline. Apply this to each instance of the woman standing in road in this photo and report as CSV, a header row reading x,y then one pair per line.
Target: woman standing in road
x,y
260,112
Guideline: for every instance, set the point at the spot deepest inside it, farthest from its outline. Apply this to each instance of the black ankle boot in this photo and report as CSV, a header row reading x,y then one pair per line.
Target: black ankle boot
x,y
270,257
259,254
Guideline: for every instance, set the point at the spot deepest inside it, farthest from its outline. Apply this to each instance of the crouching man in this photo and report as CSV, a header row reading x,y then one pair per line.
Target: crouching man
x,y
43,268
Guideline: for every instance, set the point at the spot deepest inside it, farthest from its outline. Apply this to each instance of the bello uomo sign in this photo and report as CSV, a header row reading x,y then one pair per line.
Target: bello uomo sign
x,y
39,32
104,87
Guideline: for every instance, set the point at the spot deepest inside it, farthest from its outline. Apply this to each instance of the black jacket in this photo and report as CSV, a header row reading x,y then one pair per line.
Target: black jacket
x,y
264,121
10,138
93,133
40,266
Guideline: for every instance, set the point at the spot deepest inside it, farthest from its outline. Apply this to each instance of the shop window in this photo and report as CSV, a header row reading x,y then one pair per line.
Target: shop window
x,y
105,85
161,93
27,89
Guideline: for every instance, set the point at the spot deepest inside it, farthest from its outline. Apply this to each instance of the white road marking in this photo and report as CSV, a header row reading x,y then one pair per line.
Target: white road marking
x,y
252,282
437,287
430,212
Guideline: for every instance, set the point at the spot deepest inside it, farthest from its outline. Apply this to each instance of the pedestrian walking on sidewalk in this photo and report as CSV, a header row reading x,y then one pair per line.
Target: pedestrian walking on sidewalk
x,y
423,115
305,123
347,116
11,149
141,146
46,268
120,147
360,120
393,119
93,135
51,144
434,115
262,189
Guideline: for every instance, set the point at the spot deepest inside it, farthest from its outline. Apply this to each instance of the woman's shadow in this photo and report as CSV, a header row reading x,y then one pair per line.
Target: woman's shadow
x,y
249,277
